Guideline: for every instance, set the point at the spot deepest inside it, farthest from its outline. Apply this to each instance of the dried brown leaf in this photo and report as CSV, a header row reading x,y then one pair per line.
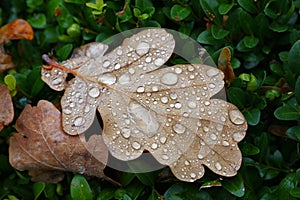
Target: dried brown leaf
x,y
42,147
225,66
6,107
167,111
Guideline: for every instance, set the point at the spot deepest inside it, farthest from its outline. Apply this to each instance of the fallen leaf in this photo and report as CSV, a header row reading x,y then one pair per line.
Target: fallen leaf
x,y
18,29
42,147
167,111
6,107
225,66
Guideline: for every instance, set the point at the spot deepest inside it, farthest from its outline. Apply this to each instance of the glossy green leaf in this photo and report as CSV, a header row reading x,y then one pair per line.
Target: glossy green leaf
x,y
235,185
289,111
250,42
248,149
294,132
179,12
224,8
252,116
10,82
249,6
294,58
38,21
211,10
64,51
38,188
295,192
183,191
286,185
247,22
80,189
106,194
276,27
237,97
147,178
218,33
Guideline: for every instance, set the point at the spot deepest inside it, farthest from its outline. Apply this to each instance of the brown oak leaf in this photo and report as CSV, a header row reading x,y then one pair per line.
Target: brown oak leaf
x,y
18,29
42,147
6,107
225,66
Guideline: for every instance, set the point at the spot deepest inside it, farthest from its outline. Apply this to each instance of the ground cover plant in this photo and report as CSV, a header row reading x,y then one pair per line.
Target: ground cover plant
x,y
262,39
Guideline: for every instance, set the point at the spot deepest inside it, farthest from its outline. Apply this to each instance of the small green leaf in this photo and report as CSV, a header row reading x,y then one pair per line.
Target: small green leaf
x,y
38,21
276,27
80,189
74,30
10,82
289,111
247,23
206,37
218,33
179,12
294,58
295,192
252,116
294,132
248,6
224,8
237,97
38,188
64,51
250,41
248,149
235,185
106,194
286,185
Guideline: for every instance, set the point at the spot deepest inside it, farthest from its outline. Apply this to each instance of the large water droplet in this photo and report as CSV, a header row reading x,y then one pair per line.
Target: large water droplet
x,y
124,79
169,78
145,120
94,92
159,62
108,78
142,48
140,89
78,121
218,166
179,128
212,72
236,117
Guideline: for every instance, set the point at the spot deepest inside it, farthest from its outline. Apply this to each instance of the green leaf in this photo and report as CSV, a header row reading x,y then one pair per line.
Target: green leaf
x,y
248,6
206,37
38,188
250,41
248,149
211,10
297,89
294,58
289,111
80,189
179,12
106,194
237,97
126,178
235,185
286,185
38,21
10,82
252,116
224,8
294,132
295,192
64,51
246,22
184,191
277,27
218,33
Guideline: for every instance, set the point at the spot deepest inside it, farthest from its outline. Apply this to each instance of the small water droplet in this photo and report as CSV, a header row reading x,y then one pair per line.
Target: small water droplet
x,y
193,175
178,105
119,52
169,79
192,104
205,129
179,128
155,88
186,162
106,63
159,62
57,81
236,117
211,85
126,132
72,104
117,66
212,72
148,59
136,145
200,156
86,109
178,70
165,157
225,143
124,79
207,103
131,70
173,96
190,68
108,78
213,136
237,136
67,111
94,92
142,48
218,166
164,99
140,89
163,139
78,121
154,146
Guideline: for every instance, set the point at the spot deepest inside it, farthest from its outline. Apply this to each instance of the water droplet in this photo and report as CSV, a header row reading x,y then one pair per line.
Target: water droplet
x,y
169,79
106,63
218,166
200,156
94,92
155,88
117,66
205,129
207,103
186,162
108,78
193,175
236,117
119,52
126,132
211,85
142,48
72,104
159,62
148,59
165,157
163,139
136,145
78,121
124,79
178,105
140,89
86,109
192,104
213,136
179,128
237,136
173,96
67,111
57,81
225,143
80,101
190,68
212,72
154,146
178,70
131,70
164,99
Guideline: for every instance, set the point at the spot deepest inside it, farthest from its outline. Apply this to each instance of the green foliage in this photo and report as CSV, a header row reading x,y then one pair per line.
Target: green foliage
x,y
264,40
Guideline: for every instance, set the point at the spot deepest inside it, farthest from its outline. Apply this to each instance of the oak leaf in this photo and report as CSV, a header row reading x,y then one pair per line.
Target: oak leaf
x,y
167,111
6,107
42,147
225,66
18,29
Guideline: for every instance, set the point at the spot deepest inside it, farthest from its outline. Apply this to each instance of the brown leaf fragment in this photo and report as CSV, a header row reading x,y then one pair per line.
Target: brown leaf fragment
x,y
6,107
42,147
225,66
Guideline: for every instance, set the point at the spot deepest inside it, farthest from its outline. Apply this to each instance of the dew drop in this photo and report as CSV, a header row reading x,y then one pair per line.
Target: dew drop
x,y
165,157
155,88
192,104
164,99
124,79
117,66
86,109
205,129
57,81
225,143
148,59
106,63
236,117
218,166
136,145
211,85
94,92
179,128
200,156
169,79
190,68
108,78
178,70
78,121
212,72
207,103
126,132
158,62
178,105
173,96
142,48
72,104
163,139
140,89
237,136
154,146
67,111
119,52
186,162
213,136
193,175
131,71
